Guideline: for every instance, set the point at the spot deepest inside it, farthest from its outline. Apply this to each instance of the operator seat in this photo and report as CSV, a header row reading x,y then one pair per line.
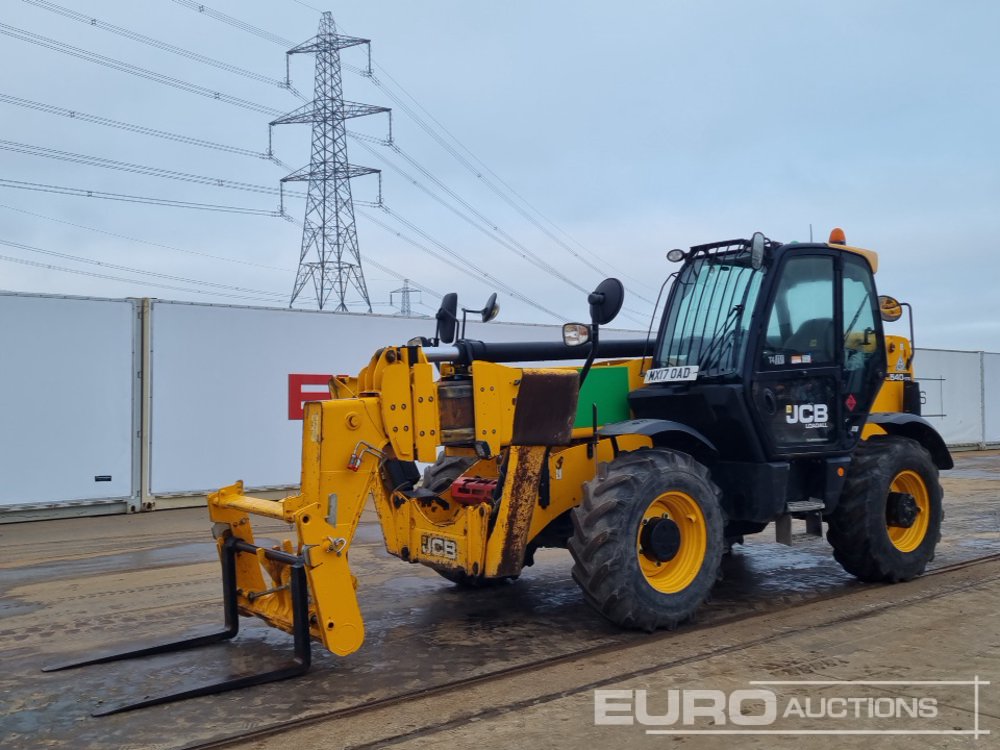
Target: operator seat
x,y
813,337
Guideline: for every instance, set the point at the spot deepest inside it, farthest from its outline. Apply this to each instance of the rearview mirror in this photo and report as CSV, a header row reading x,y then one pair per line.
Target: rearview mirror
x,y
606,301
889,308
576,334
447,319
492,309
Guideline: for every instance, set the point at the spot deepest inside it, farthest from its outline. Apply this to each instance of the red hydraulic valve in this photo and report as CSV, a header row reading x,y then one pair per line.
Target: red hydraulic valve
x,y
473,490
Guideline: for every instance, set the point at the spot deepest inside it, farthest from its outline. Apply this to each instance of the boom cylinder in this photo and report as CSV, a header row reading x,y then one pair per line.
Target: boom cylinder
x,y
465,352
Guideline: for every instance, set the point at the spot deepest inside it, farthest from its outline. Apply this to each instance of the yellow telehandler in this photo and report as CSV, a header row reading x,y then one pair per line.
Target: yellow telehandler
x,y
770,392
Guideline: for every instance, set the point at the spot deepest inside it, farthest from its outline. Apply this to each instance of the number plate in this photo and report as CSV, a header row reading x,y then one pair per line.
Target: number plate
x,y
672,374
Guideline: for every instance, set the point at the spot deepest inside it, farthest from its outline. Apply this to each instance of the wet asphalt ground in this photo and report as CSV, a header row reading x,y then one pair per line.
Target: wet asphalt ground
x,y
67,587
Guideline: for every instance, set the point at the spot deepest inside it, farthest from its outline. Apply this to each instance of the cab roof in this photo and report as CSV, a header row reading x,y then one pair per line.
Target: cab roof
x,y
870,255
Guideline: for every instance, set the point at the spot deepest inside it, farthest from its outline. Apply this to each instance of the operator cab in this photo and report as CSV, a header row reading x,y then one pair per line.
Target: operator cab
x,y
770,350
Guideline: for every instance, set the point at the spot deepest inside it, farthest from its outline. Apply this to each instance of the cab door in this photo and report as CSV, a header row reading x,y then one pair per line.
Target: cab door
x,y
863,342
796,383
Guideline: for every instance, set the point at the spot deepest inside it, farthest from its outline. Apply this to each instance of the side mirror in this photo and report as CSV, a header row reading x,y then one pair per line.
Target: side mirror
x,y
492,309
487,314
447,319
576,334
890,308
757,245
606,301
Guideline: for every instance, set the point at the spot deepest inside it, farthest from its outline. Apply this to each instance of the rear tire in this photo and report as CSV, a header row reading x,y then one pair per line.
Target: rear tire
x,y
863,542
663,583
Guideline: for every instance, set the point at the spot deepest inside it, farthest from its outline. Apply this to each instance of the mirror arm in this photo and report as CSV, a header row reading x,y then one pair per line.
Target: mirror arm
x,y
593,353
913,343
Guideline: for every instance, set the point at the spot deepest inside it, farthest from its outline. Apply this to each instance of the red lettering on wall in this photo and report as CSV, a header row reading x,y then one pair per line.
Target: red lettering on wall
x,y
302,388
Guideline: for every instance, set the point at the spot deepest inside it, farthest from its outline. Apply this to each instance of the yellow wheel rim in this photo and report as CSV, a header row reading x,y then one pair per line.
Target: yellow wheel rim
x,y
676,574
907,540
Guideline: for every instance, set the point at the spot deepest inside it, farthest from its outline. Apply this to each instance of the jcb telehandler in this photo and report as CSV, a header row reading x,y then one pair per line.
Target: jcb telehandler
x,y
769,393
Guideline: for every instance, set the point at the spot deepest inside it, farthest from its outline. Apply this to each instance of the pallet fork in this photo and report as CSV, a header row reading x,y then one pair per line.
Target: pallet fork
x,y
230,548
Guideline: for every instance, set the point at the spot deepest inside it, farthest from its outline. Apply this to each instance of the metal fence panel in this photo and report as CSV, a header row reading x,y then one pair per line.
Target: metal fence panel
x,y
951,386
991,397
67,396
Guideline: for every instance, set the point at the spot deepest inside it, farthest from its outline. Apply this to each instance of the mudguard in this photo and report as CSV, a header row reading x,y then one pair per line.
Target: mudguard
x,y
917,428
657,428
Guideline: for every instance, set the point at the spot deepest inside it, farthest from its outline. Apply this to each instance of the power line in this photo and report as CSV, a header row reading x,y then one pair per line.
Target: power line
x,y
130,127
85,193
370,261
490,229
307,5
135,70
80,192
80,272
499,179
486,226
97,161
385,269
152,171
398,275
414,243
145,242
478,172
129,269
96,275
237,23
74,114
477,271
503,239
165,46
467,267
208,255
470,269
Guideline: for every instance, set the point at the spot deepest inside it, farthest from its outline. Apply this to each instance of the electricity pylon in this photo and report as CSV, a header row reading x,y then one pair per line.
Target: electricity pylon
x,y
329,256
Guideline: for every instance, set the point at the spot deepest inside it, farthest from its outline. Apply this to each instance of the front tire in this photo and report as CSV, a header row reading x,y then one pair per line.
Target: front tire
x,y
648,539
890,477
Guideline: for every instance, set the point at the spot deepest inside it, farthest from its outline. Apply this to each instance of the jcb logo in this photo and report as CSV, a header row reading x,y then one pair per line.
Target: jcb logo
x,y
806,413
438,546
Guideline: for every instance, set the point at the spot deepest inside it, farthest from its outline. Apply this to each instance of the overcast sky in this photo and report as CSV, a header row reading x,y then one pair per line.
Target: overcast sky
x,y
634,127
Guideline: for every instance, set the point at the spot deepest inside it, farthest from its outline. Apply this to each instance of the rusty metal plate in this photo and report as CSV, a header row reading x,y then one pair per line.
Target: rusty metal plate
x,y
546,407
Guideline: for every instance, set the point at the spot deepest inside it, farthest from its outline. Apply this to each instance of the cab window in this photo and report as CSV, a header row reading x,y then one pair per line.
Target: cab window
x,y
800,329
